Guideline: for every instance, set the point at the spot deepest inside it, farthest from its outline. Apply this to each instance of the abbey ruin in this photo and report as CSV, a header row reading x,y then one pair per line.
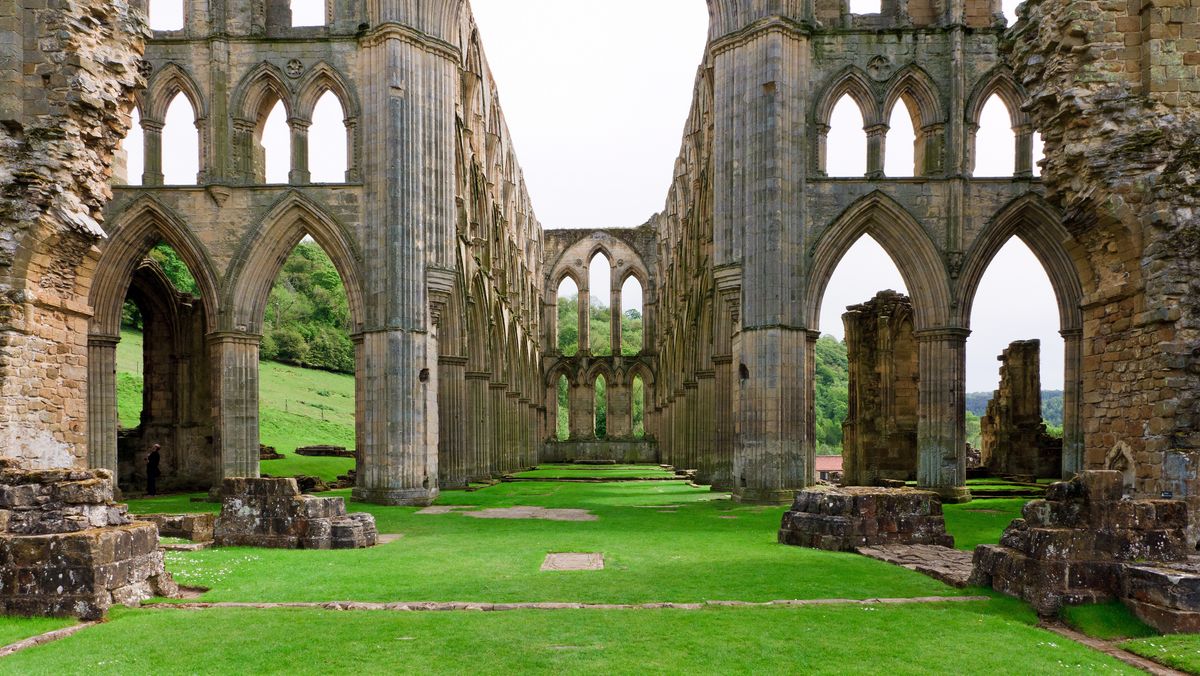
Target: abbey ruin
x,y
453,282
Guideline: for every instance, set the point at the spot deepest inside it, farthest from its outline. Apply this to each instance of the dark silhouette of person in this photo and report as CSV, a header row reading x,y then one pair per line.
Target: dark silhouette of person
x,y
152,471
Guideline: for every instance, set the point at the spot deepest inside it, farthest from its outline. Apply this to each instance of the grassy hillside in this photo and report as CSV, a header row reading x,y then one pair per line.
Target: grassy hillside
x,y
297,407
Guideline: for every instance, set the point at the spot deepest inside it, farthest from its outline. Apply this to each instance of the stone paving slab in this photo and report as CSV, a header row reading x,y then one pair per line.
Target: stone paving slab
x,y
534,513
573,561
945,564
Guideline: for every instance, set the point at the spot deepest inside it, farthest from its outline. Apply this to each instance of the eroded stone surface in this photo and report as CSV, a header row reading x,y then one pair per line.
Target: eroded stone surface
x,y
273,513
572,561
847,518
1014,436
945,564
533,513
66,549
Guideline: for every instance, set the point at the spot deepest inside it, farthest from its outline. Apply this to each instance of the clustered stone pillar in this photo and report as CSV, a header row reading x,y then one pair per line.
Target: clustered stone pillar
x,y
234,357
941,413
1014,436
880,431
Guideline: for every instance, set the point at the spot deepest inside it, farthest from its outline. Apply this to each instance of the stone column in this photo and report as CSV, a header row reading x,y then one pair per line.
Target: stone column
x,y
876,148
706,426
299,174
722,463
453,405
512,430
102,403
1072,399
941,423
1023,168
243,152
152,173
931,150
691,423
810,377
581,414
479,438
585,324
620,410
235,398
614,323
499,410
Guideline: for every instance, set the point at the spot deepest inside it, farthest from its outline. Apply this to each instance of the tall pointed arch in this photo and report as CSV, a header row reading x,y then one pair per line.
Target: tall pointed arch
x,y
258,91
170,80
908,244
134,232
853,82
262,254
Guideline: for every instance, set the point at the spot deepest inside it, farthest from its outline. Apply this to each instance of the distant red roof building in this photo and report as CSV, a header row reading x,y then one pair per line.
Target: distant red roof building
x,y
827,466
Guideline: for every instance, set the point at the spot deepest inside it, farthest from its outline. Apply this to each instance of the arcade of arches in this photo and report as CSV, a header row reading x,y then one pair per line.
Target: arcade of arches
x,y
453,284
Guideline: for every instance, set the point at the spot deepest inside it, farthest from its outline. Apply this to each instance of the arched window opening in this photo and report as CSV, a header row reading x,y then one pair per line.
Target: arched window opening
x,y
568,317
161,348
599,310
997,322
638,404
165,15
632,323
130,162
327,141
995,141
180,143
866,6
562,425
601,408
846,144
863,272
308,13
1039,153
307,375
276,142
901,145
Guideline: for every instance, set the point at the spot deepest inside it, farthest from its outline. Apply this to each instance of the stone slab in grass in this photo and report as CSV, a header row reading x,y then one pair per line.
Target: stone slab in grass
x,y
441,509
573,561
533,513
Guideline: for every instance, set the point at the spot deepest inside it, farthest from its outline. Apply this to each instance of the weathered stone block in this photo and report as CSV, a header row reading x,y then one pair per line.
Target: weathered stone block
x,y
845,519
273,513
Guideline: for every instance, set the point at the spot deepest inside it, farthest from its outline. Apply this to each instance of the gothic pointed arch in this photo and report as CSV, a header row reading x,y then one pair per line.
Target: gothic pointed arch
x,y
1039,226
135,230
904,239
322,78
170,80
916,88
257,92
998,81
263,252
854,82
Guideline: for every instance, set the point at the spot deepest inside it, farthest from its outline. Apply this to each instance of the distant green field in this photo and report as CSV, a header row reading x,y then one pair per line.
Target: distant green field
x,y
297,407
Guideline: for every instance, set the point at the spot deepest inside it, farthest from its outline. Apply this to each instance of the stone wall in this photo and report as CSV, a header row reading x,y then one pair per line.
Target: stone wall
x,y
1114,89
68,69
66,549
880,431
844,519
1013,433
625,452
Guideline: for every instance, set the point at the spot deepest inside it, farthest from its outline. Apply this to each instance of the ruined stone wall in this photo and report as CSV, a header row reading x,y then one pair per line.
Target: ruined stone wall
x,y
1014,439
68,71
1115,90
879,435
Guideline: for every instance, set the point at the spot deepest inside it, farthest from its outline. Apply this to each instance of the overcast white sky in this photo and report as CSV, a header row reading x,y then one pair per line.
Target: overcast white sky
x,y
596,95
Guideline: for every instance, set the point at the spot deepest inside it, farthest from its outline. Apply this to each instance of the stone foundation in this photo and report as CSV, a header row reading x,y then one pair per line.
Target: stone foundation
x,y
1014,436
1085,544
845,519
273,513
623,452
194,527
66,549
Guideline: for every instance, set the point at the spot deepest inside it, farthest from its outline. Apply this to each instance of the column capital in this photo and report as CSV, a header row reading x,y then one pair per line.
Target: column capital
x,y
99,340
948,333
235,338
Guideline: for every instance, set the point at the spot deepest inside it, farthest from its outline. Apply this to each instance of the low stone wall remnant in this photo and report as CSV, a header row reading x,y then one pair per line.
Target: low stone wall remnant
x,y
68,550
274,513
843,519
1084,543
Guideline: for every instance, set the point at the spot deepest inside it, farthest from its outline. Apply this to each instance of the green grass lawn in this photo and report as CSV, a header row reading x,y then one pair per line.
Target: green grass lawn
x,y
1181,651
13,629
662,541
293,465
297,407
1106,621
987,637
981,521
597,471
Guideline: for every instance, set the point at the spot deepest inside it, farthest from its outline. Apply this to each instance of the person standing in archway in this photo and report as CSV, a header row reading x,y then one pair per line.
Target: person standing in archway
x,y
152,471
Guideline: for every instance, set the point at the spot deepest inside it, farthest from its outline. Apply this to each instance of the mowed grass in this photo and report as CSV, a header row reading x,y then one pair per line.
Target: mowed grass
x,y
1180,651
13,629
297,407
662,541
987,637
596,472
1106,621
981,521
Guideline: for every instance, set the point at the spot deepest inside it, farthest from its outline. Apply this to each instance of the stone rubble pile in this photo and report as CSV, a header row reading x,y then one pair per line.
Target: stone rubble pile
x,y
274,513
66,549
1085,544
846,518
